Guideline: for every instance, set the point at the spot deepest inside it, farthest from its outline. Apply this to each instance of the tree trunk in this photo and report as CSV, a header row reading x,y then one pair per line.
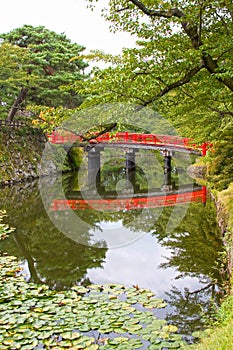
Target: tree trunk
x,y
19,99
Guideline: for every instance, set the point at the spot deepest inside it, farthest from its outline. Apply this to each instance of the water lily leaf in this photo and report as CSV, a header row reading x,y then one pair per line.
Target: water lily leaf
x,y
78,346
175,337
27,347
45,317
135,343
199,334
155,325
50,342
38,309
81,320
155,303
118,330
91,301
117,324
125,346
80,289
46,328
18,336
128,309
168,345
155,340
9,342
28,334
84,328
16,302
164,335
132,328
88,342
132,321
71,335
65,344
44,335
93,347
170,328
83,342
132,301
155,347
94,325
113,342
105,330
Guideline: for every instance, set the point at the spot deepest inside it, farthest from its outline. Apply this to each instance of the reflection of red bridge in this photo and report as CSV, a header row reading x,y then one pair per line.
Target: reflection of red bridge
x,y
161,200
133,139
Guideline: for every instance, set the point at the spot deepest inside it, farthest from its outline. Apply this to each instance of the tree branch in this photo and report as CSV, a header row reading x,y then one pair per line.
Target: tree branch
x,y
152,13
191,29
123,9
19,99
221,113
92,136
186,79
212,67
211,284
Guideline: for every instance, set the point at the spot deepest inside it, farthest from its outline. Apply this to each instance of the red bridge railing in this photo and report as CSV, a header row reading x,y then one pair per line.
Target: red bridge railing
x,y
134,138
166,200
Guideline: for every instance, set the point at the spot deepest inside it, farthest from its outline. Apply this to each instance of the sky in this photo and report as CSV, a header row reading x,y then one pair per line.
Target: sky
x,y
81,25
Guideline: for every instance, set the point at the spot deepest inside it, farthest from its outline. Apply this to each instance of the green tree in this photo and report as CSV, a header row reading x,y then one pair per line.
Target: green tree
x,y
13,59
182,65
48,67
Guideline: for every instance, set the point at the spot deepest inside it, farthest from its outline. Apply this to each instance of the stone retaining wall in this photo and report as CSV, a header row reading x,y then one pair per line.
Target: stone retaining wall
x,y
20,154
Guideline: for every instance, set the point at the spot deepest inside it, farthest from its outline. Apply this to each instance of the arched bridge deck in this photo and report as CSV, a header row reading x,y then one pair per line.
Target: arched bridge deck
x,y
133,140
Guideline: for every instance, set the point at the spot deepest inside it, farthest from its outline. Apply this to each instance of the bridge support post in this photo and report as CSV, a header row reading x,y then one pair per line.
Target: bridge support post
x,y
94,165
167,183
130,159
167,168
167,161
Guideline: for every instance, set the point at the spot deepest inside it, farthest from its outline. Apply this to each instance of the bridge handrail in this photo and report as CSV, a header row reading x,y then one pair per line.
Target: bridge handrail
x,y
131,203
127,137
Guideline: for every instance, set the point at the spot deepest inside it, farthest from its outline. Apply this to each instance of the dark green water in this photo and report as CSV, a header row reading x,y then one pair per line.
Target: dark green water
x,y
172,250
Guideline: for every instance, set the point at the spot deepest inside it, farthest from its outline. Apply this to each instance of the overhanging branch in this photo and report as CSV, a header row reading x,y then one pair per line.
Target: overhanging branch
x,y
186,79
152,13
193,31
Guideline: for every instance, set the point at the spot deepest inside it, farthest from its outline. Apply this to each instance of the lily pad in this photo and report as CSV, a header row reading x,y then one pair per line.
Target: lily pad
x,y
170,328
71,335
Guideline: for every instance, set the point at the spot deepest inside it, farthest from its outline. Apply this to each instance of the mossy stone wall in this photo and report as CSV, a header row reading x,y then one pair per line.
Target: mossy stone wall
x,y
21,150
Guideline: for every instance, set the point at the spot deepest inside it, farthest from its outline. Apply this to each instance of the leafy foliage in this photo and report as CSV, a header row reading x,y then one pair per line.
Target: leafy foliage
x,y
13,72
221,168
182,67
46,66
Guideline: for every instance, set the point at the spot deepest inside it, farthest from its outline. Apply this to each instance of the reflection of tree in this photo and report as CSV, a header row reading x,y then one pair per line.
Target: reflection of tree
x,y
188,308
52,258
195,246
196,243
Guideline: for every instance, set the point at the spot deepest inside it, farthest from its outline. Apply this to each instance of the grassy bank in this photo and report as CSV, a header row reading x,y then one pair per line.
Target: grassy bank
x,y
220,335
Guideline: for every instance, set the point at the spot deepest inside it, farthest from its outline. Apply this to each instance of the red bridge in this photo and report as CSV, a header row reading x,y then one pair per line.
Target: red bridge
x,y
133,139
117,204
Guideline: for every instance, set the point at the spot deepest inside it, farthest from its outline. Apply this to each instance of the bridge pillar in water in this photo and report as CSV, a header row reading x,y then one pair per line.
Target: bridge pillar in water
x,y
167,161
167,168
130,162
94,165
130,165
